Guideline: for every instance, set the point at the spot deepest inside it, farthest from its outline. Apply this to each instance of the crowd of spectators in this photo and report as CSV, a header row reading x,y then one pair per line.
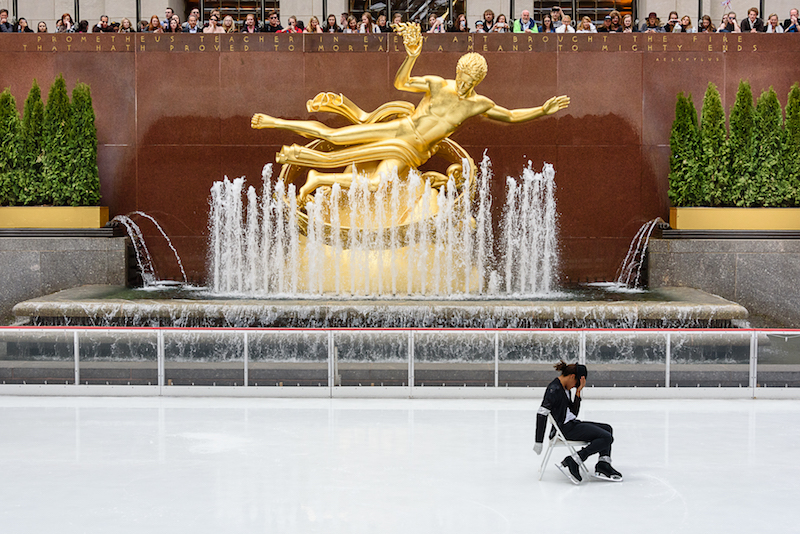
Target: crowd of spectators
x,y
556,21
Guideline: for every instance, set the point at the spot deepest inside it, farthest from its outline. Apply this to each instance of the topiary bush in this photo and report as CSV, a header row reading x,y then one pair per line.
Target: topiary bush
x,y
791,146
683,163
754,163
712,174
740,144
767,185
11,167
57,160
32,191
50,157
84,188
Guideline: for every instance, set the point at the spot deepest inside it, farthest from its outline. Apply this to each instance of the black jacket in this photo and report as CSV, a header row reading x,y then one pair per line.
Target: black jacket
x,y
758,25
556,401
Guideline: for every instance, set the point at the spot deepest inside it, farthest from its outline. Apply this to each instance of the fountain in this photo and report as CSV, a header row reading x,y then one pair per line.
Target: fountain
x,y
353,232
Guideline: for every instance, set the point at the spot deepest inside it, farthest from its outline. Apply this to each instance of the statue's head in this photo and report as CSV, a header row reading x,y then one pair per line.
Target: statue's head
x,y
470,70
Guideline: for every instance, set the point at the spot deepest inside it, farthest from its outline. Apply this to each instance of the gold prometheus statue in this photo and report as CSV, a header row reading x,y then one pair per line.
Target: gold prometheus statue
x,y
396,137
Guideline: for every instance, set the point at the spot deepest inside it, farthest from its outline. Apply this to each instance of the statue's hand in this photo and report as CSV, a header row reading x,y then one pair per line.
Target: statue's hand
x,y
412,37
556,103
260,120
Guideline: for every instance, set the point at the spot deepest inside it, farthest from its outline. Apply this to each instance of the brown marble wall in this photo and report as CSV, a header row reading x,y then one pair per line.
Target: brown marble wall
x,y
173,114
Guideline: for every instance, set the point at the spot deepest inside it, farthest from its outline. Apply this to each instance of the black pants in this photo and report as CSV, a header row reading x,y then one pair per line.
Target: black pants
x,y
599,435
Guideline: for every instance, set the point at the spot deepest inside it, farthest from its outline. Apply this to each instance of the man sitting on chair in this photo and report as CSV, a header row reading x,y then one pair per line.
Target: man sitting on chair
x,y
558,402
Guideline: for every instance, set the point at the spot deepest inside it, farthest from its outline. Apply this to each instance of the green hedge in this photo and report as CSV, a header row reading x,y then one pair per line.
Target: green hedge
x,y
50,156
755,162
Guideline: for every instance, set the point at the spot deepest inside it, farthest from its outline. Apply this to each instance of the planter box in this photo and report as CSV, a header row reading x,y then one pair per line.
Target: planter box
x,y
734,218
53,217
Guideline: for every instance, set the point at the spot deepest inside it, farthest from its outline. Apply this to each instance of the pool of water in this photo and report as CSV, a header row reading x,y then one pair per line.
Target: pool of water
x,y
594,292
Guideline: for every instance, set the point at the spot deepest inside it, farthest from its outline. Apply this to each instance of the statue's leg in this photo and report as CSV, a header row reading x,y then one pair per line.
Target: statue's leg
x,y
346,135
316,179
370,152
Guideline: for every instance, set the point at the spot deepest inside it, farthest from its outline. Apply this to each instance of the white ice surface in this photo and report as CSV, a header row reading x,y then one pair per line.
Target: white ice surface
x,y
169,465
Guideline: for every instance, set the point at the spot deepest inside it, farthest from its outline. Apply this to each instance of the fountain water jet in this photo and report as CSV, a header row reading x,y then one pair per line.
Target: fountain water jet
x,y
143,258
412,234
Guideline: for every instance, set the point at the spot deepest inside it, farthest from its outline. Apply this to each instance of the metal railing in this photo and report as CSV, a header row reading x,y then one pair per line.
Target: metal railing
x,y
399,362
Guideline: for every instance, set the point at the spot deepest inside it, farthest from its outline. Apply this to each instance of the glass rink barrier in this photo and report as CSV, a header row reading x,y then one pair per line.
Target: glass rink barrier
x,y
396,362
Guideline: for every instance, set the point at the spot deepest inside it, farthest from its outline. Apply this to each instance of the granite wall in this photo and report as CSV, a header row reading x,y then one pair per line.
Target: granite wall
x,y
36,266
173,115
761,275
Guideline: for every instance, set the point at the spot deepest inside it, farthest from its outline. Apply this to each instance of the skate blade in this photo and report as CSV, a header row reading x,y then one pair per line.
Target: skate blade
x,y
607,479
566,472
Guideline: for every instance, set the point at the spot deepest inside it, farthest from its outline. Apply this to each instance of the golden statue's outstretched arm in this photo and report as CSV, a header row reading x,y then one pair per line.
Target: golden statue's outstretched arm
x,y
553,105
412,40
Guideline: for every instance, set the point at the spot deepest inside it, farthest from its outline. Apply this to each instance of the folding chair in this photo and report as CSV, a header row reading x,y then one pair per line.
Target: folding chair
x,y
558,440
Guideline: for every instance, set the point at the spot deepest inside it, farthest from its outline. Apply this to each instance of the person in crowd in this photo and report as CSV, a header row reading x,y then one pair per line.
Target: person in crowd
x,y
479,27
525,24
125,26
706,26
547,25
331,26
605,27
684,26
367,25
672,21
773,26
488,20
215,13
102,26
186,26
192,25
586,26
343,20
563,408
5,26
229,25
168,14
501,25
791,21
627,24
22,26
616,21
313,25
753,23
273,24
67,24
557,16
174,25
566,25
460,25
154,26
729,24
83,27
397,18
213,25
352,25
292,26
652,24
383,24
435,24
250,24
41,27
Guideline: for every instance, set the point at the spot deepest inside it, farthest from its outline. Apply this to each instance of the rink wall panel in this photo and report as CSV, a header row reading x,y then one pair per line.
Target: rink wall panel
x,y
173,115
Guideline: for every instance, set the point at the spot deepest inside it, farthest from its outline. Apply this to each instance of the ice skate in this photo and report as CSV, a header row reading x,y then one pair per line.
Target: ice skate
x,y
571,469
604,471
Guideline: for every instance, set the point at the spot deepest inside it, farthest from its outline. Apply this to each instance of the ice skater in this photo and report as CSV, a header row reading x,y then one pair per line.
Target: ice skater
x,y
564,409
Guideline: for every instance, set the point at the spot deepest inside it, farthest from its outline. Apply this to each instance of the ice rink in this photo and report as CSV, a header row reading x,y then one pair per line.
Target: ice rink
x,y
153,465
